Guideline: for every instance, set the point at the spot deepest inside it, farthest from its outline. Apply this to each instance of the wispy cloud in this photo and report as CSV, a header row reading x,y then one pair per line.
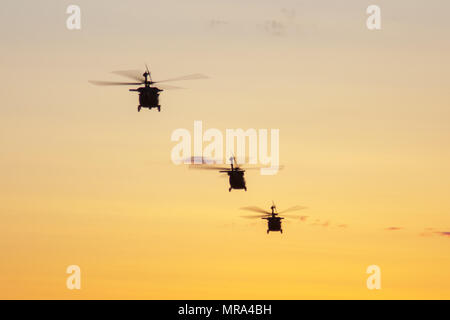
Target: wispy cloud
x,y
328,223
429,232
443,233
318,222
275,27
280,26
394,228
217,23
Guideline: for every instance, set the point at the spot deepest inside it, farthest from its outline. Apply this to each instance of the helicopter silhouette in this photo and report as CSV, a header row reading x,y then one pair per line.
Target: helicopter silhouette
x,y
272,217
148,94
235,173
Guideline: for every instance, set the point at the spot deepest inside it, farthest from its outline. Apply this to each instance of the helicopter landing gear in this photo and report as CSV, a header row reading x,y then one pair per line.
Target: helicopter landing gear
x,y
281,230
245,189
159,108
139,108
229,189
267,231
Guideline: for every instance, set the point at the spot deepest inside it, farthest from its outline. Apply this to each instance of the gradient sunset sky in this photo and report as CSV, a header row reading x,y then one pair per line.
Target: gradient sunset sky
x,y
364,139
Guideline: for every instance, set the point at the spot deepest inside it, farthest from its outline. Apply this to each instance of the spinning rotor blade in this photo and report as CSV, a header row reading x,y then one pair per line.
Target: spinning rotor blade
x,y
186,77
258,168
203,160
131,74
149,74
251,168
168,87
295,208
208,167
254,217
114,83
256,209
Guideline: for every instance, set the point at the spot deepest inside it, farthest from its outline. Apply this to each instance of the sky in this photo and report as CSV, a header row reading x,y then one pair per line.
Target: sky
x,y
364,140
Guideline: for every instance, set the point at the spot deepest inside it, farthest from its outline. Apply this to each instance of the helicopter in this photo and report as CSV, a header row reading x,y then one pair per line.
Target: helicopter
x,y
148,94
235,173
272,217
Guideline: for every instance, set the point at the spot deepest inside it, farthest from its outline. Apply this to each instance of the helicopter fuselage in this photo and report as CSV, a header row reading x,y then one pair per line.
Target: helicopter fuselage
x,y
274,224
148,97
237,180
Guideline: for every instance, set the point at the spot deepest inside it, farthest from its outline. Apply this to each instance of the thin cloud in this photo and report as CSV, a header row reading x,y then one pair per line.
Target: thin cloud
x,y
317,222
217,23
275,27
443,233
429,232
280,26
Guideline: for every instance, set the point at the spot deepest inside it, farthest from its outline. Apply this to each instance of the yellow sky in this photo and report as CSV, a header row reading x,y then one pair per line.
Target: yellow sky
x,y
364,138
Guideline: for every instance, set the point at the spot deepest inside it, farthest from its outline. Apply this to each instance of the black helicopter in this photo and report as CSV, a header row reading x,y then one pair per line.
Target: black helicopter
x,y
235,173
272,217
148,95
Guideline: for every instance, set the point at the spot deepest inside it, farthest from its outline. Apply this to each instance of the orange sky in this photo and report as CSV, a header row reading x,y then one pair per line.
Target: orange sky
x,y
364,139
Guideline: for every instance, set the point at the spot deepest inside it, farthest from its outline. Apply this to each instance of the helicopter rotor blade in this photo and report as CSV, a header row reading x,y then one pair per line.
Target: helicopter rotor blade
x,y
131,74
168,87
114,83
203,160
295,208
208,167
264,167
256,209
244,167
194,76
234,161
254,217
149,74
